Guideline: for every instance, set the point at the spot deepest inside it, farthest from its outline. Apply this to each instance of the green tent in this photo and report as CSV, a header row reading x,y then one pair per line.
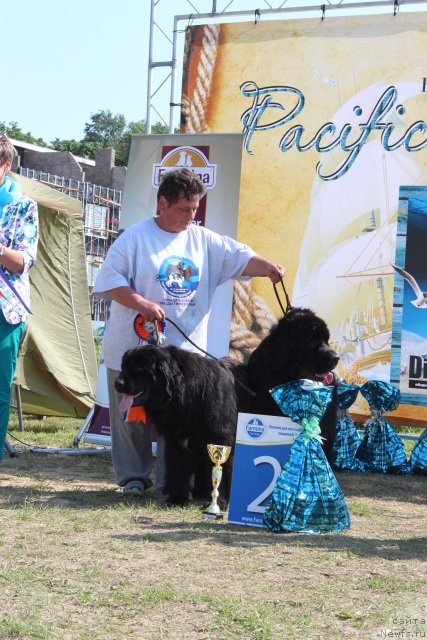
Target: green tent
x,y
57,368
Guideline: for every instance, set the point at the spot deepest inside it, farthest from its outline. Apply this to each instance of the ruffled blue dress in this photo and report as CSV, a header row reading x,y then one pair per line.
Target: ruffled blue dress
x,y
418,460
381,449
306,497
347,440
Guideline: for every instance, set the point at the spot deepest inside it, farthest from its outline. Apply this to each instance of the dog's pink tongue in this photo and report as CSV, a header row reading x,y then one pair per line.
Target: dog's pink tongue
x,y
125,403
327,378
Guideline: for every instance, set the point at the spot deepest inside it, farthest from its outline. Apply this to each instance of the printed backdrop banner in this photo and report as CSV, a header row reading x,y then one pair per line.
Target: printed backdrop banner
x,y
333,117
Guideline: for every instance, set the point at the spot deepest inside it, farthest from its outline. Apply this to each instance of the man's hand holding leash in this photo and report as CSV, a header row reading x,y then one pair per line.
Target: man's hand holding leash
x,y
263,268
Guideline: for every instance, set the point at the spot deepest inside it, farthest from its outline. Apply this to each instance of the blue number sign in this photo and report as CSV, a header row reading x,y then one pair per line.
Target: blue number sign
x,y
263,444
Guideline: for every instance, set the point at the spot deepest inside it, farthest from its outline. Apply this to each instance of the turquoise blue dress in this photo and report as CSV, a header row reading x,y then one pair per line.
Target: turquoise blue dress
x,y
306,497
347,440
19,231
381,449
418,460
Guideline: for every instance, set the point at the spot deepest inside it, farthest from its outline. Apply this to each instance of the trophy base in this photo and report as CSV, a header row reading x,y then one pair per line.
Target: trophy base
x,y
212,516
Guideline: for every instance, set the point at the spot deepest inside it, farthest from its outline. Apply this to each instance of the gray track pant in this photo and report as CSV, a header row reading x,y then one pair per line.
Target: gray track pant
x,y
131,444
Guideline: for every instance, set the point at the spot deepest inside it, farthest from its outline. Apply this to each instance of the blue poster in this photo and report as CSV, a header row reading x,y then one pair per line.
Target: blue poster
x,y
263,444
409,338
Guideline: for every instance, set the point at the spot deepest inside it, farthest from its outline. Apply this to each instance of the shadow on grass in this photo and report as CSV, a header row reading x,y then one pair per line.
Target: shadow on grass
x,y
402,488
40,480
83,470
59,467
160,523
248,537
157,527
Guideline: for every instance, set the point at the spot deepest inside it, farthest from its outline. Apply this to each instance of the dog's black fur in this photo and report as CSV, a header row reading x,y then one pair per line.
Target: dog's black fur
x,y
194,401
296,347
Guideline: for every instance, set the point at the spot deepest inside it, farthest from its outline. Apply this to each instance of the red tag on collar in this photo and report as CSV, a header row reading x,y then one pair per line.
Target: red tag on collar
x,y
145,330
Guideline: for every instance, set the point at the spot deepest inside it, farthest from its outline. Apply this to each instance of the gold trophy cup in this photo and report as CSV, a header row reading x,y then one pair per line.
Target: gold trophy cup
x,y
218,453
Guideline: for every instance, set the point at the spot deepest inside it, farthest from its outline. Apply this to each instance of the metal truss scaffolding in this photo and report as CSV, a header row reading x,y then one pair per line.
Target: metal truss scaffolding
x,y
209,11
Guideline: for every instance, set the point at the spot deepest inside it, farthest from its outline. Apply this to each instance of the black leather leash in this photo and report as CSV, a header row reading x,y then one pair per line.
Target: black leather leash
x,y
189,339
252,393
284,311
288,302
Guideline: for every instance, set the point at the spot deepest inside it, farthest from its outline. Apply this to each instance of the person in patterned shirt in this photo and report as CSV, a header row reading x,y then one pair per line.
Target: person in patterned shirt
x,y
18,248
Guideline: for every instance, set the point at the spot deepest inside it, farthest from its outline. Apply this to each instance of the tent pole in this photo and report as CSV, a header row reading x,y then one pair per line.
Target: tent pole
x,y
10,449
8,446
19,406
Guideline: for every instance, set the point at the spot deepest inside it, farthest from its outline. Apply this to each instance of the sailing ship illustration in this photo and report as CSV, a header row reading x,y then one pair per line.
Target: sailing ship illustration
x,y
345,271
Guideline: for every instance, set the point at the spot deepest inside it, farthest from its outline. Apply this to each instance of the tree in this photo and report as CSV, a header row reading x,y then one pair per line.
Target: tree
x,y
12,130
108,130
133,128
77,147
105,128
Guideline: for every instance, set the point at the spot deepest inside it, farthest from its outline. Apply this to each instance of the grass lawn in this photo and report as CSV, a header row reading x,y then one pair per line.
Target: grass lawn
x,y
80,561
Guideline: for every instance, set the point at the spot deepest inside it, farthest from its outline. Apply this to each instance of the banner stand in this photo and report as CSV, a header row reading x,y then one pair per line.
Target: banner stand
x,y
98,412
74,450
77,451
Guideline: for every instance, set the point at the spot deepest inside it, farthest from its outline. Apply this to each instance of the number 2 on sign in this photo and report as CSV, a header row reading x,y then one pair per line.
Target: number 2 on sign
x,y
255,505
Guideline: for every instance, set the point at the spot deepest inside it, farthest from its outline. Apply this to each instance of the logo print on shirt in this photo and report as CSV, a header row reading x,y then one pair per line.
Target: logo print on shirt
x,y
179,277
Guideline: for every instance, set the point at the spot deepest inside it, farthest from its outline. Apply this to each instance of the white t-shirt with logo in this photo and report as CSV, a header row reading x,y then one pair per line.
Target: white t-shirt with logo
x,y
178,271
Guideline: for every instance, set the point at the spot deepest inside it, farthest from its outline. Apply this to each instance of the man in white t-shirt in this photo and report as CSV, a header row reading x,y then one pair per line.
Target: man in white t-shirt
x,y
164,266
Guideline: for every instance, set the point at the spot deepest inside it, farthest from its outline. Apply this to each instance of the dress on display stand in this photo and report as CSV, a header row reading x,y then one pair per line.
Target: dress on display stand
x,y
307,497
418,460
347,440
381,449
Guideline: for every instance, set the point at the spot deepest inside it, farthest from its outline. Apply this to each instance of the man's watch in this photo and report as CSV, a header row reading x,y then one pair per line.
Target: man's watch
x,y
2,249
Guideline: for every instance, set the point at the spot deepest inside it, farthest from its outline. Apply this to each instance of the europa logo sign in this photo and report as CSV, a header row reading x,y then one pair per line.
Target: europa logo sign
x,y
193,158
255,428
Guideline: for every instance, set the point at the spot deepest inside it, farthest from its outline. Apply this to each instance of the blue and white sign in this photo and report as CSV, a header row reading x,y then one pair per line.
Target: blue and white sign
x,y
409,336
263,444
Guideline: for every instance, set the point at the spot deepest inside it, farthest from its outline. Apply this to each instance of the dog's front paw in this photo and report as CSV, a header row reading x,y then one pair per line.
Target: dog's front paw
x,y
177,500
222,504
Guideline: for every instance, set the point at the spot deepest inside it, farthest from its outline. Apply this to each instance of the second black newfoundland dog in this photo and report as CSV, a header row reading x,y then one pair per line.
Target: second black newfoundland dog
x,y
296,347
194,400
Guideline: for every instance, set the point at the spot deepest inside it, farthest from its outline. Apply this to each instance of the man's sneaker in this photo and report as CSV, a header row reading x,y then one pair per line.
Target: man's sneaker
x,y
134,488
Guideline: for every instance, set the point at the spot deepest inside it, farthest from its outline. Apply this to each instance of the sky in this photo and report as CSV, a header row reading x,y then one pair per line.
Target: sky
x,y
68,59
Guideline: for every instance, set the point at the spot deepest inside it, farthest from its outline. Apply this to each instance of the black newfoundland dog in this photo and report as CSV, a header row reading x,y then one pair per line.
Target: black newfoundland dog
x,y
194,400
296,347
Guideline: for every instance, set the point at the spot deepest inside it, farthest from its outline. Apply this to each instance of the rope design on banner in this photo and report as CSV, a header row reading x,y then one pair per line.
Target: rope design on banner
x,y
195,108
352,375
251,321
251,318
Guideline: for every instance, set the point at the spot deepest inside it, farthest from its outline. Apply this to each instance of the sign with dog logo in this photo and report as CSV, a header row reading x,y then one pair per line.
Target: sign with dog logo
x,y
191,157
216,159
263,444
